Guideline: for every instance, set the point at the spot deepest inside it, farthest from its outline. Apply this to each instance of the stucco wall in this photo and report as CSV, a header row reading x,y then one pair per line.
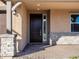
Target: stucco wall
x,y
20,26
2,20
60,21
60,27
2,23
1,3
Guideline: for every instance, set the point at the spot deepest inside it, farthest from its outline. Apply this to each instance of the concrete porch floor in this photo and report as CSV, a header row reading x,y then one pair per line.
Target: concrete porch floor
x,y
49,52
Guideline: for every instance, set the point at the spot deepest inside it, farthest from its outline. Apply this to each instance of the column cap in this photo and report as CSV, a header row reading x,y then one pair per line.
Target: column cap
x,y
7,35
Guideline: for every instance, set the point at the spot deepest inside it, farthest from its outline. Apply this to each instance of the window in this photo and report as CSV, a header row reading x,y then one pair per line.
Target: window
x,y
75,23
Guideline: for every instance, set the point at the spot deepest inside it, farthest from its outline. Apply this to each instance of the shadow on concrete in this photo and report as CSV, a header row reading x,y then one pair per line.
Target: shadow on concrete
x,y
32,48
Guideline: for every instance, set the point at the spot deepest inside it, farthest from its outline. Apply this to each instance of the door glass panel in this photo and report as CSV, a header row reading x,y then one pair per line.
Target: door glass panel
x,y
44,27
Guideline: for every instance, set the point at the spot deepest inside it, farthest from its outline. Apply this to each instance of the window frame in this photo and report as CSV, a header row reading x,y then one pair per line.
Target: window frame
x,y
71,22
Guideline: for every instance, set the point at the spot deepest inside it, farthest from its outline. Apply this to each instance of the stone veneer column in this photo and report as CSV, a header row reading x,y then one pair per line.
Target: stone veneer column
x,y
8,45
8,42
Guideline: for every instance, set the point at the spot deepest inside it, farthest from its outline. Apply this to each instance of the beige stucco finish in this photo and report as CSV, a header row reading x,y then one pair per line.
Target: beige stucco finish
x,y
1,3
20,24
60,21
2,20
2,23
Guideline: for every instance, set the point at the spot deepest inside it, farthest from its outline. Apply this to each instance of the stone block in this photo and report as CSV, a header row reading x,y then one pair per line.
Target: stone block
x,y
9,40
65,38
68,40
7,45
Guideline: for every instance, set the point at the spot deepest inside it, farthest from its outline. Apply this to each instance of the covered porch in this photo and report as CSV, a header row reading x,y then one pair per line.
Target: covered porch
x,y
59,20
61,15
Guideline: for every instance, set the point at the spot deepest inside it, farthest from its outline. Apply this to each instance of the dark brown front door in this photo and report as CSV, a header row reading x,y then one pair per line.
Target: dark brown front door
x,y
35,27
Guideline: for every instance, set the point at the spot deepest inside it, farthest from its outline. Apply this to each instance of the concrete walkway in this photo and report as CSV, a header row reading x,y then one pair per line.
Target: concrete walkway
x,y
49,52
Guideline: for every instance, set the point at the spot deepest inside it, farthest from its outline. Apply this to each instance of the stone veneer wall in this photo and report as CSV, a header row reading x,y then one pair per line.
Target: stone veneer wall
x,y
64,38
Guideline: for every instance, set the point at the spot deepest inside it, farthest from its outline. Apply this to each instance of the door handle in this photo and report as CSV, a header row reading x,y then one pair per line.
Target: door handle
x,y
40,32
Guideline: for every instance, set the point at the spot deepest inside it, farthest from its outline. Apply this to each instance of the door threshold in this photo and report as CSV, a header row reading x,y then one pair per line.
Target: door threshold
x,y
36,43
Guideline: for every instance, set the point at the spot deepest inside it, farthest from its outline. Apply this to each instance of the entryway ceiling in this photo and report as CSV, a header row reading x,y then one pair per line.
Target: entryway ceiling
x,y
51,4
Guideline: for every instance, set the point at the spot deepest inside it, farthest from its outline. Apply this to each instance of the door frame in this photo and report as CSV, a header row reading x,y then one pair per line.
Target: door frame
x,y
43,13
